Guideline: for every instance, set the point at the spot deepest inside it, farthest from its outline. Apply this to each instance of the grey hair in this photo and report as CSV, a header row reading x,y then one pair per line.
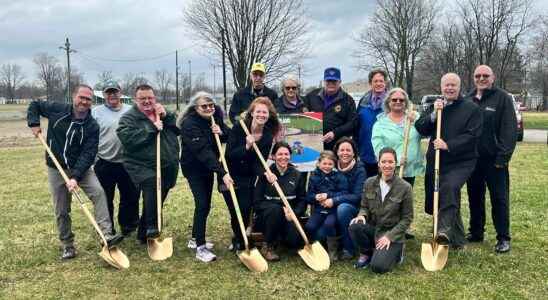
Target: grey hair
x,y
191,107
290,77
388,98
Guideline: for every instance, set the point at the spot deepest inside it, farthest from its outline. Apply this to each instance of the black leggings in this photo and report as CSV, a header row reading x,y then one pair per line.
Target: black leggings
x,y
245,202
202,189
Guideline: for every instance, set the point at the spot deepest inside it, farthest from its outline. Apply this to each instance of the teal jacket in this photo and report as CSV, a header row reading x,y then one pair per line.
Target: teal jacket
x,y
386,133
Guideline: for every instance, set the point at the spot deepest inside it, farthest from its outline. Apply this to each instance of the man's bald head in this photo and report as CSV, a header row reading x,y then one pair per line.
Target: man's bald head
x,y
450,86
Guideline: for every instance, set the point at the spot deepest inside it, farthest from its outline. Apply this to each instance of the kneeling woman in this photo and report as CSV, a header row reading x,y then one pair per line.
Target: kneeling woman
x,y
200,160
273,218
386,213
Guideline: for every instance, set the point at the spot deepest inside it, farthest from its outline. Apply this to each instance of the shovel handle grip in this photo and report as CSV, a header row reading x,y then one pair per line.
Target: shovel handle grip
x,y
75,192
277,187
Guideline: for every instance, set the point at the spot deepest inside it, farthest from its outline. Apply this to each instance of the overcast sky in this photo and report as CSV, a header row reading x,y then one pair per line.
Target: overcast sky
x,y
100,30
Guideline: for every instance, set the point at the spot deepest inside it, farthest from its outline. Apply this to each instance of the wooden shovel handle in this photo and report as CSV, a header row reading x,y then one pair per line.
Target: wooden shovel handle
x,y
75,192
158,178
437,174
406,137
277,186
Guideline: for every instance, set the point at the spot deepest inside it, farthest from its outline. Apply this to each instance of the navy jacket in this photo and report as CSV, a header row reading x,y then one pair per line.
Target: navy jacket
x,y
334,184
73,142
367,116
243,98
356,178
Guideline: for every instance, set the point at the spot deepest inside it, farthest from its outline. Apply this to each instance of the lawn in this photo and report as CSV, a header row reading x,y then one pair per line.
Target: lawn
x,y
31,268
535,120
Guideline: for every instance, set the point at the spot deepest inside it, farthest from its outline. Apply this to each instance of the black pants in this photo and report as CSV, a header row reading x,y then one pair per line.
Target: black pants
x,y
149,217
371,170
276,228
382,261
410,180
497,181
111,175
452,178
245,202
202,189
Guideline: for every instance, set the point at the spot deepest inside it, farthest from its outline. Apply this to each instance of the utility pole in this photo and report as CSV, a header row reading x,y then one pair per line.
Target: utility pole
x,y
299,69
69,51
214,80
177,79
189,79
224,69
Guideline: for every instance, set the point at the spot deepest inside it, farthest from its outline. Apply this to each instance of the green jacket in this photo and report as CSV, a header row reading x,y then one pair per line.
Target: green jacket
x,y
138,136
393,216
386,133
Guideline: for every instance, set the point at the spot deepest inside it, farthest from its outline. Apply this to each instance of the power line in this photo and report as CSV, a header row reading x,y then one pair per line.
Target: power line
x,y
131,59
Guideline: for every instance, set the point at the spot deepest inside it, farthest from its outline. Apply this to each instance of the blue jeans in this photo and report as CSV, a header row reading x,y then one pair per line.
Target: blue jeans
x,y
345,213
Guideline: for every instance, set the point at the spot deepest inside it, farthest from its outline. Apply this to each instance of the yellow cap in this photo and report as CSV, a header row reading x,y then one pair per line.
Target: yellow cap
x,y
258,67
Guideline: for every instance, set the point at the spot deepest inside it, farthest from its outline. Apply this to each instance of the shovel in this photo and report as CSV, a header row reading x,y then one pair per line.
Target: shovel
x,y
251,258
159,249
113,256
434,255
406,138
314,255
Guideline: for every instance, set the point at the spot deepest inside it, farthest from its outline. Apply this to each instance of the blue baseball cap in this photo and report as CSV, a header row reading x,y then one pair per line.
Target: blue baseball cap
x,y
332,74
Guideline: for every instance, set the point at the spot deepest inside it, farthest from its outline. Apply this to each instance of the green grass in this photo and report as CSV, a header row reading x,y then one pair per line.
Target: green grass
x,y
535,120
30,265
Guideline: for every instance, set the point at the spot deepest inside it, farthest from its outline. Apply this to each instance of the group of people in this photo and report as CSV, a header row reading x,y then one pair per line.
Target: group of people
x,y
359,207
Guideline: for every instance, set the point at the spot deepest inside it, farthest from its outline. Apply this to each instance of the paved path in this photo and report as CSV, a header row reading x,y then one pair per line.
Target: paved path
x,y
535,136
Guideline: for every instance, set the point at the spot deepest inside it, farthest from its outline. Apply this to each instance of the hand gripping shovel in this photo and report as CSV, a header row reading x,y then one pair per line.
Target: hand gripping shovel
x,y
406,137
314,255
434,255
251,258
113,256
159,249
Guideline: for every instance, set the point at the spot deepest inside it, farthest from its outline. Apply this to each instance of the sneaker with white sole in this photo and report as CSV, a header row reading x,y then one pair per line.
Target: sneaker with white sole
x,y
203,254
192,244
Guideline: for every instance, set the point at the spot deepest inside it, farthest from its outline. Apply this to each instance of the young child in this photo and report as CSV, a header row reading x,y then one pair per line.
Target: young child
x,y
324,184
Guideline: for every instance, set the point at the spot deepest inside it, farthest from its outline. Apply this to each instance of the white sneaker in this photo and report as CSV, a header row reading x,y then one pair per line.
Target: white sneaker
x,y
192,244
203,254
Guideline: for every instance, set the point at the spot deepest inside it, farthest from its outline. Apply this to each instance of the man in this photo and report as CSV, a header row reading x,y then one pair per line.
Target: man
x,y
73,136
338,107
369,107
243,98
495,148
137,130
108,167
460,129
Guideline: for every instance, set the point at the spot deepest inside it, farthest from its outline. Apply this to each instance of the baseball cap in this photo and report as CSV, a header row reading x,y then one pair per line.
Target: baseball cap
x,y
258,67
332,74
111,85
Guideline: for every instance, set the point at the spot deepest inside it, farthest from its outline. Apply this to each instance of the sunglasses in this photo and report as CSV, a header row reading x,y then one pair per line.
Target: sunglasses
x,y
207,106
290,88
478,76
400,100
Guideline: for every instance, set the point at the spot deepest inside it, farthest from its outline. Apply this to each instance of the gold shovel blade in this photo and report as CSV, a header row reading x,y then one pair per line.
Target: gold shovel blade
x,y
160,249
114,257
434,256
253,260
315,256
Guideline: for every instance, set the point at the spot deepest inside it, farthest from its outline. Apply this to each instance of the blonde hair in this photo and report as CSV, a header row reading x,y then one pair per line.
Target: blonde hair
x,y
327,154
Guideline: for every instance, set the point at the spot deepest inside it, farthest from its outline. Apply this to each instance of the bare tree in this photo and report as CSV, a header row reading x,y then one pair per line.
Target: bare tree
x,y
50,75
538,53
11,77
164,81
102,78
395,36
271,32
496,28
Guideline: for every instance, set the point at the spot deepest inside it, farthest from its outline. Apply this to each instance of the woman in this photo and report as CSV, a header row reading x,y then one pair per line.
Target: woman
x,y
389,131
200,160
244,165
386,213
289,102
273,218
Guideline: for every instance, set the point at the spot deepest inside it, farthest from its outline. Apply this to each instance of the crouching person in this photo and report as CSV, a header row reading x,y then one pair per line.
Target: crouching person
x,y
73,136
386,213
137,130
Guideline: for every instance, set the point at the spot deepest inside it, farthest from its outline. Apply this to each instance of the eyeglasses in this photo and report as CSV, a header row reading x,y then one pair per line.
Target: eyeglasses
x,y
290,88
143,99
485,76
400,100
207,106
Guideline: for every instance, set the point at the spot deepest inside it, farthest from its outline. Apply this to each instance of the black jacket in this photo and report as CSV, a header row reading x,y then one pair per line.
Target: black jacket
x,y
199,153
244,165
138,136
339,117
293,184
243,98
73,142
284,107
460,129
498,137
